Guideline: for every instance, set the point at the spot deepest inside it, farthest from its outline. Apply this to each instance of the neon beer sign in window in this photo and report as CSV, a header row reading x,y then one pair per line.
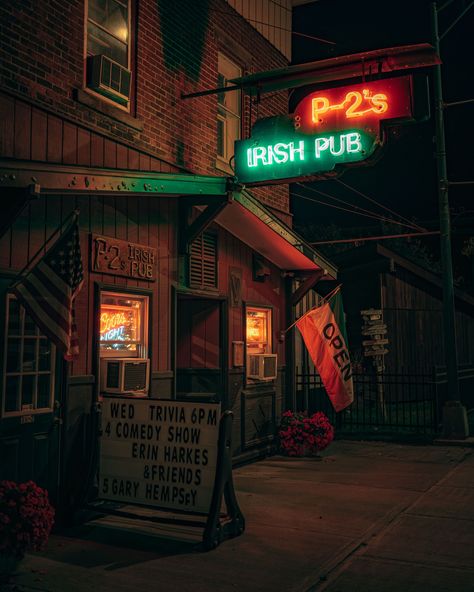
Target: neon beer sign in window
x,y
121,325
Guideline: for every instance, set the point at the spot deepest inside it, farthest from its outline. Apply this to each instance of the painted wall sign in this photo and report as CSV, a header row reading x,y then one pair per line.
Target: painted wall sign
x,y
330,127
159,453
119,257
361,106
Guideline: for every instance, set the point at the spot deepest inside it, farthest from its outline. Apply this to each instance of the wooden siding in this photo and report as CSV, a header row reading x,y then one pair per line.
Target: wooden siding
x,y
30,133
413,314
233,253
148,221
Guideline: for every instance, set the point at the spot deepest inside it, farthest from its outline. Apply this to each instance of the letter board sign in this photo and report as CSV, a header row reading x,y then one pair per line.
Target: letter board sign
x,y
159,453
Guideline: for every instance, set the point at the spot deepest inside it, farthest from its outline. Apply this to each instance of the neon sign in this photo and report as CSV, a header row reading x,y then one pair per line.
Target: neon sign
x,y
259,158
116,325
351,104
329,127
364,105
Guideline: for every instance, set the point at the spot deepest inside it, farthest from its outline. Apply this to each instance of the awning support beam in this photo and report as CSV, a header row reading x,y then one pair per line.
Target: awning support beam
x,y
306,286
201,223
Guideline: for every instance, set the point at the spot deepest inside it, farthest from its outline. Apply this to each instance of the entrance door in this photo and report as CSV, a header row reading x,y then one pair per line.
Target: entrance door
x,y
199,353
29,400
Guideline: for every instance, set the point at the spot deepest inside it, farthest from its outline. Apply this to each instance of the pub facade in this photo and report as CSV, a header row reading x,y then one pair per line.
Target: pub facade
x,y
190,278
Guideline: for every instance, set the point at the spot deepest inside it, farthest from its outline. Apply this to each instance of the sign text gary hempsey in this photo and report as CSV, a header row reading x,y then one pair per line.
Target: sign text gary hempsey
x,y
159,453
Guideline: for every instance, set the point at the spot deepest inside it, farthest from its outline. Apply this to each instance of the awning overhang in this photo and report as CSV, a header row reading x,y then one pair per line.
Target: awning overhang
x,y
247,219
355,65
241,214
366,63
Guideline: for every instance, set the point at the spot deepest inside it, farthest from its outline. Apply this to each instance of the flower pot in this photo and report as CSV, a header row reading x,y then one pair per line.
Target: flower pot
x,y
8,566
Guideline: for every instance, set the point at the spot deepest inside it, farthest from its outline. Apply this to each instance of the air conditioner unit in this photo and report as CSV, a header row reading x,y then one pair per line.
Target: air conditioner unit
x,y
109,78
124,375
262,366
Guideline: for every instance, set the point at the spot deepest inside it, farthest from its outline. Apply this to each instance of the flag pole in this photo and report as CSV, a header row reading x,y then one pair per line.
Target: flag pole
x,y
70,218
325,300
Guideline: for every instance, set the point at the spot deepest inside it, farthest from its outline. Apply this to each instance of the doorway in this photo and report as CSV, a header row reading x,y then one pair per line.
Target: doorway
x,y
200,349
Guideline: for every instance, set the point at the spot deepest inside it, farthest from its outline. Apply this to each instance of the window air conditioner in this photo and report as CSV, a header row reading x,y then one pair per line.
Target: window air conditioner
x,y
124,375
262,366
109,78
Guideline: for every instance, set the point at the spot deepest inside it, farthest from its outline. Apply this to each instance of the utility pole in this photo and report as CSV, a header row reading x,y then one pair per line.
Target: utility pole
x,y
454,414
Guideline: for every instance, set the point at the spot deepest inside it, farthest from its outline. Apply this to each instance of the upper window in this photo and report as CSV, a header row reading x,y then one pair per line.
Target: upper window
x,y
228,109
108,49
123,323
29,364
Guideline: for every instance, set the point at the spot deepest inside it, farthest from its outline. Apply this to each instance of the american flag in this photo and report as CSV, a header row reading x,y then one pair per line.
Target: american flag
x,y
48,290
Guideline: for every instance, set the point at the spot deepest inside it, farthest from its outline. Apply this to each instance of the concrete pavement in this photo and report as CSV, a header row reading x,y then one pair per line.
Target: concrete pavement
x,y
368,517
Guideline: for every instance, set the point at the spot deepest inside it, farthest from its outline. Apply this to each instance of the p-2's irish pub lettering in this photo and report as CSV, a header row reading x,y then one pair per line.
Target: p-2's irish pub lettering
x,y
119,257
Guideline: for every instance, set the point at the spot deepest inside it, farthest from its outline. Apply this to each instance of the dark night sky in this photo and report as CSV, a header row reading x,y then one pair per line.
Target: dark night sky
x,y
405,177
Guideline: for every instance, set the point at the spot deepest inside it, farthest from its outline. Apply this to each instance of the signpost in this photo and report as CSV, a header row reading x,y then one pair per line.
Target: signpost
x,y
375,347
171,456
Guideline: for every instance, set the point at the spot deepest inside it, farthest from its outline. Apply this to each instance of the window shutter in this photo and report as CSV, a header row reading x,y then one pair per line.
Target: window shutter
x,y
203,261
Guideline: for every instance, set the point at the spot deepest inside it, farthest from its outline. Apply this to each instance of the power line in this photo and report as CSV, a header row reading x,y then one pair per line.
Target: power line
x,y
357,209
375,202
238,15
340,207
361,239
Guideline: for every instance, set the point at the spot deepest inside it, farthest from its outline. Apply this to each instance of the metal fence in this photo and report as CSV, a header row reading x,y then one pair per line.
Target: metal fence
x,y
396,405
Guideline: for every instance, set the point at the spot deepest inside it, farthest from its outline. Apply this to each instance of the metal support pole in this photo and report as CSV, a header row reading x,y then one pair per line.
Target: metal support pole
x,y
449,314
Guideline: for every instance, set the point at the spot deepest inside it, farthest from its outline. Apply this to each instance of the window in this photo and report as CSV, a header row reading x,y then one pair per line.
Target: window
x,y
259,330
203,262
261,362
228,109
123,325
29,364
108,49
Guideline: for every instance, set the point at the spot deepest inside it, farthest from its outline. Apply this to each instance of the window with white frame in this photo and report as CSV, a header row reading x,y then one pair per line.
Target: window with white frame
x,y
228,109
123,325
29,364
108,49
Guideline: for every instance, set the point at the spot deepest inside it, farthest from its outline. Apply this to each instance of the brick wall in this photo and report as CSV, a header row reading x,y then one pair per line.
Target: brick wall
x,y
41,57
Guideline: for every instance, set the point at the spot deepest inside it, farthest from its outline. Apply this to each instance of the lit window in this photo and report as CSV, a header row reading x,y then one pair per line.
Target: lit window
x,y
29,364
123,325
228,109
108,49
259,330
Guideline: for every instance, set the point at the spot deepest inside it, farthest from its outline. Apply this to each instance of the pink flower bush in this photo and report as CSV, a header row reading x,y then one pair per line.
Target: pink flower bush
x,y
299,433
26,518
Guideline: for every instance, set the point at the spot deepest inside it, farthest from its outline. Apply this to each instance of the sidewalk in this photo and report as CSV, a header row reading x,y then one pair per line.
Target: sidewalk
x,y
369,517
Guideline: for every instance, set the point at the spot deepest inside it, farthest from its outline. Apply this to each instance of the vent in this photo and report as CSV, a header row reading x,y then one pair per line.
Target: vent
x,y
109,78
262,366
124,375
203,262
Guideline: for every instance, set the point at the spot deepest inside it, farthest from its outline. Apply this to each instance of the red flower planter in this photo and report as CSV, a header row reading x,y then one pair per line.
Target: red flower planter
x,y
26,518
301,435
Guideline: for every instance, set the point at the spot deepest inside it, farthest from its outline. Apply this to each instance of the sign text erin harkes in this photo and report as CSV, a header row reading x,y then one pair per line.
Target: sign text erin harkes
x,y
159,453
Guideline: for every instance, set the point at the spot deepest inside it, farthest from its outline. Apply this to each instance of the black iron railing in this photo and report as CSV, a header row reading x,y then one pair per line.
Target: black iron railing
x,y
402,404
